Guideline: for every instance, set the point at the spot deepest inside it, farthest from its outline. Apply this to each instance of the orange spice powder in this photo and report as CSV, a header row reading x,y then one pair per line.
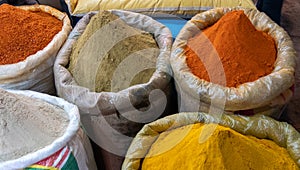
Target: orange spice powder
x,y
244,53
24,33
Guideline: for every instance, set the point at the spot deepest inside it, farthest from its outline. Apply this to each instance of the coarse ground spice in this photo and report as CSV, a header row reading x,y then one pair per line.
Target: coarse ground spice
x,y
139,44
186,148
24,33
246,54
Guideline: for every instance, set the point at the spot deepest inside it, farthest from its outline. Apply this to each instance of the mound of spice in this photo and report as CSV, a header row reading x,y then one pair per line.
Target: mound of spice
x,y
104,46
245,53
27,125
186,148
24,33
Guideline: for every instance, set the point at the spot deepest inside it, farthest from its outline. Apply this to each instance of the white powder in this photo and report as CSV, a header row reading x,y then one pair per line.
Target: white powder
x,y
27,125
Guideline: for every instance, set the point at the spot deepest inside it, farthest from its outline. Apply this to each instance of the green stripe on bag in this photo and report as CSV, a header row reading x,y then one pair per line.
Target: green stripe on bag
x,y
71,163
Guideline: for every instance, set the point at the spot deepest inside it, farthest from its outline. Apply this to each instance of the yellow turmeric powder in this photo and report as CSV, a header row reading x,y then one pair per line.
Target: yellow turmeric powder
x,y
224,149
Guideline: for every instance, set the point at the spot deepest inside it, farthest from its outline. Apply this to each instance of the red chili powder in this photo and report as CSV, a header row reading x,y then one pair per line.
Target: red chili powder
x,y
23,33
246,54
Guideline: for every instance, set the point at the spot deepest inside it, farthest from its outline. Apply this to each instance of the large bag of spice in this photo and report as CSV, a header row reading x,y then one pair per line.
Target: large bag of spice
x,y
39,131
181,8
34,70
207,142
266,94
112,118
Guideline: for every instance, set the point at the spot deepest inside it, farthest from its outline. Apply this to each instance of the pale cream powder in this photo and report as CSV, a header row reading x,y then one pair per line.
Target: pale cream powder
x,y
27,125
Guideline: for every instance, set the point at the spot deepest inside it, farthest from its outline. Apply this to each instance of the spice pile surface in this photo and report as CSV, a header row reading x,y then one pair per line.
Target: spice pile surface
x,y
23,33
106,45
27,125
245,53
186,148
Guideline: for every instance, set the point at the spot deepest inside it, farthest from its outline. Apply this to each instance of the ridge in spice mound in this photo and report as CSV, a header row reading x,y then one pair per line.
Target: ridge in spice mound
x,y
27,125
224,149
246,54
24,33
109,43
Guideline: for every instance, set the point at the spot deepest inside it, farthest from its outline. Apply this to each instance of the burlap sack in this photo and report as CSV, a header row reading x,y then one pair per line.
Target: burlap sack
x,y
36,71
268,95
112,119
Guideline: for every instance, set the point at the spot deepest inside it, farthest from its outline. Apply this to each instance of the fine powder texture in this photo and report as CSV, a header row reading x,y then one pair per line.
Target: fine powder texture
x,y
24,33
232,44
27,125
225,149
110,53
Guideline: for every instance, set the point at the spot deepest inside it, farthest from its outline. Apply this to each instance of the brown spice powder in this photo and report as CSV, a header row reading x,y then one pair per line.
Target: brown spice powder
x,y
24,33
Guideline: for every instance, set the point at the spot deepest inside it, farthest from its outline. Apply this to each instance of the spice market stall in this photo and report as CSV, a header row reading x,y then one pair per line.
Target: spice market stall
x,y
118,67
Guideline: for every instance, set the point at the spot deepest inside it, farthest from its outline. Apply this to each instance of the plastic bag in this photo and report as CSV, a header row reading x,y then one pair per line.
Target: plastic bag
x,y
259,126
112,119
36,71
268,95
